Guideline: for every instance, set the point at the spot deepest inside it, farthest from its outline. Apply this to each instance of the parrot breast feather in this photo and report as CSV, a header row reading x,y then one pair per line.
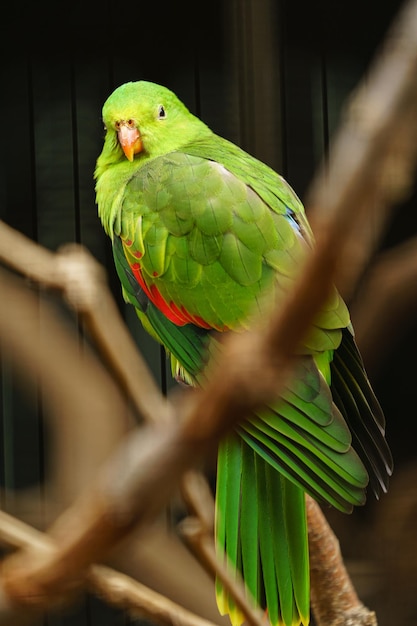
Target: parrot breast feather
x,y
199,238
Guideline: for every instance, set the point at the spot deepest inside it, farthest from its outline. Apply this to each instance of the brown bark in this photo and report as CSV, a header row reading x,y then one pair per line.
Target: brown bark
x,y
334,600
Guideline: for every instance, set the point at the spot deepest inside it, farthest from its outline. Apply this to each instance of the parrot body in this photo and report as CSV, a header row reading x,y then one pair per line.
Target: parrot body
x,y
205,237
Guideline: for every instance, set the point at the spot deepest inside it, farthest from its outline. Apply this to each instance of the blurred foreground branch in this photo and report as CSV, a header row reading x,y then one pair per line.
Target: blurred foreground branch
x,y
75,274
116,588
371,163
387,299
373,155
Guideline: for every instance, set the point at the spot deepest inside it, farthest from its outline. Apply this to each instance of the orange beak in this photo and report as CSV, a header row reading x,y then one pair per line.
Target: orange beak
x,y
130,140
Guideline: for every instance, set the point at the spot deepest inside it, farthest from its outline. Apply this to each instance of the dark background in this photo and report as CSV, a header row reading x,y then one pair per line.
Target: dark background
x,y
270,75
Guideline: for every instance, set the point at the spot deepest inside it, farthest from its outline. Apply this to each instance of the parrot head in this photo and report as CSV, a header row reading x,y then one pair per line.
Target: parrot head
x,y
145,119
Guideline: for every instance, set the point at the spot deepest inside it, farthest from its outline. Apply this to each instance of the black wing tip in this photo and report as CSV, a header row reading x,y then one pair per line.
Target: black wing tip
x,y
354,396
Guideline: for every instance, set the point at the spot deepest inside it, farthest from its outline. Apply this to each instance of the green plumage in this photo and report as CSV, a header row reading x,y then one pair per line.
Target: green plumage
x,y
205,237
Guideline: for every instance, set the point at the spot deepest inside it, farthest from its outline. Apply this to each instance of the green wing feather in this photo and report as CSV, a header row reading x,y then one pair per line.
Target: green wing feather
x,y
199,236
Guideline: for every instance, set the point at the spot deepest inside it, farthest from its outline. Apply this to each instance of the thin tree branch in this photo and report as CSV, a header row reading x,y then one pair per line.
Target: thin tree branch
x,y
203,546
74,273
113,587
198,531
71,383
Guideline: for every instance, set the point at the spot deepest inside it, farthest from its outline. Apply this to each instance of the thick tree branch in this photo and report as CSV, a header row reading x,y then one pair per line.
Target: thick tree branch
x,y
333,597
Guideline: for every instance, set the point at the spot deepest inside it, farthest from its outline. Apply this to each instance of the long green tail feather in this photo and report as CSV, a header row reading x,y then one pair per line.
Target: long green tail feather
x,y
229,473
249,521
264,534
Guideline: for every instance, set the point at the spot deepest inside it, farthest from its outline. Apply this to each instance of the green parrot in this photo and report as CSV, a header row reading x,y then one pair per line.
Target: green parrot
x,y
206,238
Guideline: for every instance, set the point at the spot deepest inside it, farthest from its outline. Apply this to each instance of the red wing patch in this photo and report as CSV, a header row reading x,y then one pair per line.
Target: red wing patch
x,y
178,316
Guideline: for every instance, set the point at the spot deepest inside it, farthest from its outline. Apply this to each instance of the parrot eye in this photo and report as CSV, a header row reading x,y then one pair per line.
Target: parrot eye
x,y
161,112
